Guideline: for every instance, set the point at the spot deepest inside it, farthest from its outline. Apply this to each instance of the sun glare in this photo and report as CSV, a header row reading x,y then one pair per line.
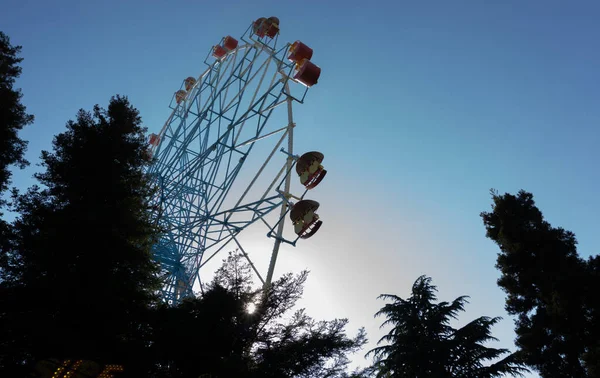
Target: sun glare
x,y
250,308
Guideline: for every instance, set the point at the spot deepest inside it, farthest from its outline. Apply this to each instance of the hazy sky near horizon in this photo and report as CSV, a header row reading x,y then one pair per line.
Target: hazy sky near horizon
x,y
421,108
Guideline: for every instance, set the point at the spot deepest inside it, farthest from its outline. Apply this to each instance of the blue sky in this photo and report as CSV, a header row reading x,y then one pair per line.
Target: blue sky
x,y
422,107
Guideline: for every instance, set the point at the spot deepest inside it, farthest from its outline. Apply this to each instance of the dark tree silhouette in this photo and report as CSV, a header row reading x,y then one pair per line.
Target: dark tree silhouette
x,y
13,118
550,289
13,115
422,343
215,334
79,279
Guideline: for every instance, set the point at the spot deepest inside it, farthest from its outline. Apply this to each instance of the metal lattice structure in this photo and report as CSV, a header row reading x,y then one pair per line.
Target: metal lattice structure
x,y
241,105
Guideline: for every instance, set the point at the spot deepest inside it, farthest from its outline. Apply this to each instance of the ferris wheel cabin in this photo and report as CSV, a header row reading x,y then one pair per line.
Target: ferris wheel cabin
x,y
310,170
180,95
266,27
228,44
306,221
189,83
154,140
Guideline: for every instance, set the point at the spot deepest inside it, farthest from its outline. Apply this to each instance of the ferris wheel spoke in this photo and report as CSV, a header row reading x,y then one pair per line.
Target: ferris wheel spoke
x,y
271,87
225,243
247,257
243,120
232,149
186,171
262,68
200,158
257,209
233,64
245,216
261,169
190,132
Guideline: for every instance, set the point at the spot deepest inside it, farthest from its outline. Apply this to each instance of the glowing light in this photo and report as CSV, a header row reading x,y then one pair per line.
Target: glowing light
x,y
106,373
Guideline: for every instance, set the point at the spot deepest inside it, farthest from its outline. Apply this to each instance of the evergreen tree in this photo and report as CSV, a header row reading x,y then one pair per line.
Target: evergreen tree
x,y
551,290
422,343
13,118
79,279
13,115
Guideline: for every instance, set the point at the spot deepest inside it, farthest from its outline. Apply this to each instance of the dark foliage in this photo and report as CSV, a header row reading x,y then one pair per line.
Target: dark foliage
x,y
422,343
77,276
215,334
550,289
13,116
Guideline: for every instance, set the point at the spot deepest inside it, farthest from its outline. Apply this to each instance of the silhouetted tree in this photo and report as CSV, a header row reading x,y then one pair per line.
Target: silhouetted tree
x,y
13,116
552,291
79,279
422,343
216,334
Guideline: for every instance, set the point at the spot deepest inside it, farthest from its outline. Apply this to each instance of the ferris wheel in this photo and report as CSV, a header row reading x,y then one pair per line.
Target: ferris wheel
x,y
224,160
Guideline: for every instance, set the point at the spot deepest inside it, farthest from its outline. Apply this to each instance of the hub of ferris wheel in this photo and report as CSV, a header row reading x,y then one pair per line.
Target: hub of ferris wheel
x,y
219,121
